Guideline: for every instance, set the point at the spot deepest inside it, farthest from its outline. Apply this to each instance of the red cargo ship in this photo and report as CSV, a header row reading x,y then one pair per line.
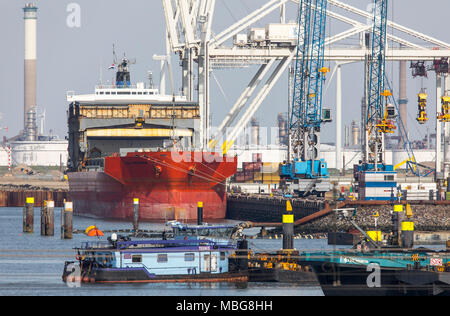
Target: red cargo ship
x,y
122,142
168,185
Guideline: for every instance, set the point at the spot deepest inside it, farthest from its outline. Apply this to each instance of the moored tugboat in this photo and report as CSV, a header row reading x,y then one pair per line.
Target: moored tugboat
x,y
196,253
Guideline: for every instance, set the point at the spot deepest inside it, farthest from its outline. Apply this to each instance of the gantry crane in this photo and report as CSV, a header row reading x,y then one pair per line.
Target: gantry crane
x,y
306,173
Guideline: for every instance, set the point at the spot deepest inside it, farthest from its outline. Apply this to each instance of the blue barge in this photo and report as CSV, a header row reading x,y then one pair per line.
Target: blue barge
x,y
200,253
382,272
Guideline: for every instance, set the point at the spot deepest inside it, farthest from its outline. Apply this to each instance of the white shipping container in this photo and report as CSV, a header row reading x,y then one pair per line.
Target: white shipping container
x,y
379,177
257,35
240,39
418,186
368,193
282,33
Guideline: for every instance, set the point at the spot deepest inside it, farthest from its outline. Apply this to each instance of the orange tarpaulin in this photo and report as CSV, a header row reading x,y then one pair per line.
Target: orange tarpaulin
x,y
93,231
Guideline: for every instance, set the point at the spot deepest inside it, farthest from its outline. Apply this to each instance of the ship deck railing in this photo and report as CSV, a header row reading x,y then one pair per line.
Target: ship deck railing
x,y
175,243
151,244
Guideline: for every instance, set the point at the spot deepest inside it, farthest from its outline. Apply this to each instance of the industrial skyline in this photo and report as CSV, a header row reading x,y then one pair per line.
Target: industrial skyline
x,y
74,57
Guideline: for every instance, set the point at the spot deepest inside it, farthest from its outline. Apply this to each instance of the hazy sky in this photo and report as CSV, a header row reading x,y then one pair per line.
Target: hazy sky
x,y
71,58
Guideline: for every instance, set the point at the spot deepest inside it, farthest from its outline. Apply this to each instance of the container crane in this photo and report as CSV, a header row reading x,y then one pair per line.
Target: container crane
x,y
306,173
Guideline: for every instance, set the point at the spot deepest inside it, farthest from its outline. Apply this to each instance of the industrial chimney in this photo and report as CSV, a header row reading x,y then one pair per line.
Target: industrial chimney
x,y
30,17
402,103
254,132
282,129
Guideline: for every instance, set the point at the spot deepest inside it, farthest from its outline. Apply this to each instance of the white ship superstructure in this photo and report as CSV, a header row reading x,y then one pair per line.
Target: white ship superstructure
x,y
113,94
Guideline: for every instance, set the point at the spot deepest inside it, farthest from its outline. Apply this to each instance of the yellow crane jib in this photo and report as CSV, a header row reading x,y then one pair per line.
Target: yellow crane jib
x,y
444,116
212,143
226,146
405,161
422,105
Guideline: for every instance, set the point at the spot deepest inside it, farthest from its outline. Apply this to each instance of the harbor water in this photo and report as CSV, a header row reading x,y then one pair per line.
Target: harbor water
x,y
31,264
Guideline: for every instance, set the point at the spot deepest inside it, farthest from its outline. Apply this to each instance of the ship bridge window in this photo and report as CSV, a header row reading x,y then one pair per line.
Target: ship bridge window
x,y
140,93
189,256
107,92
123,92
136,258
162,258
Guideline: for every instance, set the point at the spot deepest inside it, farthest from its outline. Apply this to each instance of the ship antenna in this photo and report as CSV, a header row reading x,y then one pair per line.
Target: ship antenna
x,y
114,56
173,123
150,78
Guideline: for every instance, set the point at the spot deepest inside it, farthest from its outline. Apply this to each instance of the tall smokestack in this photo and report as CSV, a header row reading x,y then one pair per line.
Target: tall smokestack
x,y
255,132
30,19
402,102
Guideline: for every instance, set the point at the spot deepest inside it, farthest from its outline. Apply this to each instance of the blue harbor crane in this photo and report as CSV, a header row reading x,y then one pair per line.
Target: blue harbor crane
x,y
305,173
376,179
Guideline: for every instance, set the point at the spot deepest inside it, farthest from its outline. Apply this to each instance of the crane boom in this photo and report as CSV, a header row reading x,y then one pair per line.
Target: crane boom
x,y
305,172
377,180
374,153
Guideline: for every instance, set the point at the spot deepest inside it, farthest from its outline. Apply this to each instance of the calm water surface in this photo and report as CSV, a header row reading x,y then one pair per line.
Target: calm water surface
x,y
32,265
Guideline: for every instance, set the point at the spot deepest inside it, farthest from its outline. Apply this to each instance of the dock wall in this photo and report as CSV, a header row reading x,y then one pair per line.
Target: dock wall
x,y
263,208
17,198
316,216
427,217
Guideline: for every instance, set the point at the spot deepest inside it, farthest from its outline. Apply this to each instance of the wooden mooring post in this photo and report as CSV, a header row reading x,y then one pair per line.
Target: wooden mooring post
x,y
199,213
48,218
67,221
136,215
288,227
28,215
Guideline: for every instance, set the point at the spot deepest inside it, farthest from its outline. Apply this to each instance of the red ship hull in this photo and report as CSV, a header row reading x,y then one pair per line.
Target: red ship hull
x,y
168,185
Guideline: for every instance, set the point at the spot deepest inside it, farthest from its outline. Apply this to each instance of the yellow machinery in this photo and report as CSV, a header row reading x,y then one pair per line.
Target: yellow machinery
x,y
386,125
444,116
139,123
406,161
422,104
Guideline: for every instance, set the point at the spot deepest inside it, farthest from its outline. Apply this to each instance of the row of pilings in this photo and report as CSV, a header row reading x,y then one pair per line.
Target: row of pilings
x,y
17,197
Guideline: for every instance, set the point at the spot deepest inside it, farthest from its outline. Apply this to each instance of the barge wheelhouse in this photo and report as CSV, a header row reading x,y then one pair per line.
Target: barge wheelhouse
x,y
188,257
